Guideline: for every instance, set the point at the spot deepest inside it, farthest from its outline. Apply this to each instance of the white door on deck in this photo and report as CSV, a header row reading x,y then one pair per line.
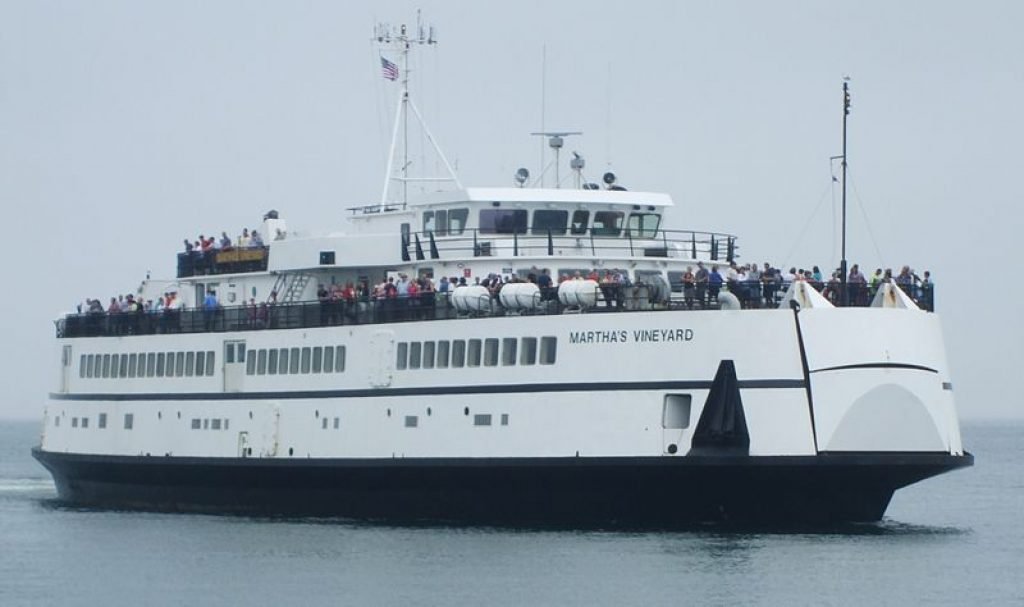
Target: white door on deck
x,y
234,365
382,357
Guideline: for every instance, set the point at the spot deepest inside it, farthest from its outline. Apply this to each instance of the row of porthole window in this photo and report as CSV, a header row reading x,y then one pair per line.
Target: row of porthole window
x,y
283,361
101,421
149,364
215,423
489,352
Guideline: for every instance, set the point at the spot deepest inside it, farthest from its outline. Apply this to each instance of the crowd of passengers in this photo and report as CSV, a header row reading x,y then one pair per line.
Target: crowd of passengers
x,y
700,285
759,287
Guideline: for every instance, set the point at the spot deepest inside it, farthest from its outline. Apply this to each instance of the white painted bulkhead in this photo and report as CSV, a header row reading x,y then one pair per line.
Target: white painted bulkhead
x,y
608,355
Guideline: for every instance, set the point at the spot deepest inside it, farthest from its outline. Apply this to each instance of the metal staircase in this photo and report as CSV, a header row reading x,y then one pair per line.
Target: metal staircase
x,y
290,286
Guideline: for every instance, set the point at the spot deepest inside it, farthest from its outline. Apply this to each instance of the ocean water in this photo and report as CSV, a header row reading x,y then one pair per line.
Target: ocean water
x,y
957,539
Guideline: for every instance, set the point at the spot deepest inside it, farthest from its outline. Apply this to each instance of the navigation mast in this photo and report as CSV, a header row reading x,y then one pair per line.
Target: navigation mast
x,y
842,262
399,40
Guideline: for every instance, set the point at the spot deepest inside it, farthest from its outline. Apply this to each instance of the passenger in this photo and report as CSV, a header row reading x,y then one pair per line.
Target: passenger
x,y
325,303
210,306
753,285
225,241
243,240
858,287
701,277
256,240
714,284
689,287
876,279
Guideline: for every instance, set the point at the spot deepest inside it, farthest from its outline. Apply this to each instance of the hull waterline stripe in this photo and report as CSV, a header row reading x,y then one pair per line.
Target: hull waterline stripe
x,y
877,366
750,384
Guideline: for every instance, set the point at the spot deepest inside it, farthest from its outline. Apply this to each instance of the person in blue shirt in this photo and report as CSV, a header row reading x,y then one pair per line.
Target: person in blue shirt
x,y
714,284
210,306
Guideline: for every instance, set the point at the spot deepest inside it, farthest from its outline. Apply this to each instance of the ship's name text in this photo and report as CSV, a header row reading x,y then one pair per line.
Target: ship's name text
x,y
622,336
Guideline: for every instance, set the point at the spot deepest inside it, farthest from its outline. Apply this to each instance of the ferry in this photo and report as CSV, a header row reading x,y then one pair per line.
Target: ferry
x,y
499,355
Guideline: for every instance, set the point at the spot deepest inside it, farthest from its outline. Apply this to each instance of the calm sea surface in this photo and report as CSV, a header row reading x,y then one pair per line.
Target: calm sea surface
x,y
957,539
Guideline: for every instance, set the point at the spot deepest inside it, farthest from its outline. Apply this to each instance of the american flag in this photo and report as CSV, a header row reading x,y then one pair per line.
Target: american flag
x,y
388,69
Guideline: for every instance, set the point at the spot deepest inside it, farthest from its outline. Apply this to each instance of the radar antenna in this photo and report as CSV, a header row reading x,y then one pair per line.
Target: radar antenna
x,y
556,139
401,41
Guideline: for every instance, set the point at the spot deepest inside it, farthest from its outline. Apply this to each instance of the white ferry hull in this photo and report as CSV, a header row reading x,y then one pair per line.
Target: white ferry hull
x,y
816,416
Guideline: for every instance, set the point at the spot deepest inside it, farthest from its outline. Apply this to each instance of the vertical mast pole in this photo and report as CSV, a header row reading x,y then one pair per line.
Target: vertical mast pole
x,y
842,263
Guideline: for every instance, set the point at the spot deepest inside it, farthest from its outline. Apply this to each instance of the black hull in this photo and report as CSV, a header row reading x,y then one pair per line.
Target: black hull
x,y
638,491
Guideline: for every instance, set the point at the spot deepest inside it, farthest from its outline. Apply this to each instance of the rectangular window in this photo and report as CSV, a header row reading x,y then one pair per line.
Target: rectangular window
x,y
261,362
307,359
482,419
402,355
85,422
457,221
90,364
412,421
97,366
250,365
133,360
675,412
101,421
190,363
215,423
200,363
318,359
229,353
150,364
226,422
106,365
428,222
442,223
74,422
115,365
415,354
272,362
337,421
293,362
206,423
124,366
607,223
504,419
548,350
491,352
141,370
503,221
209,363
459,353
442,354
323,423
643,225
473,355
508,351
81,366
528,355
580,219
129,421
179,364
282,361
160,362
169,370
428,355
197,424
328,359
339,359
546,221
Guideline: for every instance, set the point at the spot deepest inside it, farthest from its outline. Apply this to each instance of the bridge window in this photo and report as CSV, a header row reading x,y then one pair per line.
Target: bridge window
x,y
579,222
457,221
545,221
643,225
503,221
607,223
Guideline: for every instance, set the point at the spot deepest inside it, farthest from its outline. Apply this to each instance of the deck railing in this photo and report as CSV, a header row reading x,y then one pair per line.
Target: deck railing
x,y
425,307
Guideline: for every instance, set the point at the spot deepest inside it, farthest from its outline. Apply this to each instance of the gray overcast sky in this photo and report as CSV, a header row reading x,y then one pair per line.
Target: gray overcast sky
x,y
126,126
